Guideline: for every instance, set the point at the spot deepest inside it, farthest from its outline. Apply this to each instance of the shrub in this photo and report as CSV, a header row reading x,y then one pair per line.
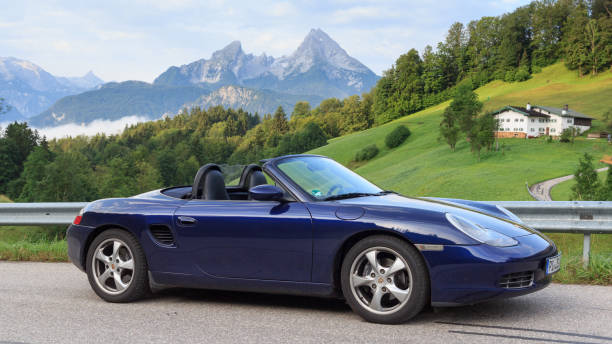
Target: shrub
x,y
509,77
567,135
522,75
397,136
366,153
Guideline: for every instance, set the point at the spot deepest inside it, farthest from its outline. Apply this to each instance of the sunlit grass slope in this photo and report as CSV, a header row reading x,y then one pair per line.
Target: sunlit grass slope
x,y
424,166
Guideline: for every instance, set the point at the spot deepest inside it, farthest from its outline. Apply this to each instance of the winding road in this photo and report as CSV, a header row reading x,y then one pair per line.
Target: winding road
x,y
53,303
541,191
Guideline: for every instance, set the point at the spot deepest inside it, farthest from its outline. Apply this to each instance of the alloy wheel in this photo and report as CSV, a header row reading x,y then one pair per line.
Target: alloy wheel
x,y
381,280
113,266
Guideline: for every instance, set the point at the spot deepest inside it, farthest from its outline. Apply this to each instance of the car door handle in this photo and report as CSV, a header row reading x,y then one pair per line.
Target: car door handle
x,y
186,220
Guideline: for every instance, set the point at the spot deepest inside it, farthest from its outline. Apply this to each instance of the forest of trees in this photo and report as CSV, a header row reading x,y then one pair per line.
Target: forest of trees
x,y
509,47
169,151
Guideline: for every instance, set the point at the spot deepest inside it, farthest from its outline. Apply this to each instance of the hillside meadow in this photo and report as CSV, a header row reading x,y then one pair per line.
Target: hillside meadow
x,y
425,166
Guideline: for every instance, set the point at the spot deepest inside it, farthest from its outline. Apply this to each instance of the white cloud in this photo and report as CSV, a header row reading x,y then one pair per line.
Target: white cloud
x,y
96,127
282,9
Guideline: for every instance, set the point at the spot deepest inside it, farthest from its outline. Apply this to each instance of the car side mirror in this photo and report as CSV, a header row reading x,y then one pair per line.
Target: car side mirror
x,y
266,193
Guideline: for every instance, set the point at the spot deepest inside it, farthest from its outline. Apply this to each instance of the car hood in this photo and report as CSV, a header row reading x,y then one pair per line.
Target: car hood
x,y
415,207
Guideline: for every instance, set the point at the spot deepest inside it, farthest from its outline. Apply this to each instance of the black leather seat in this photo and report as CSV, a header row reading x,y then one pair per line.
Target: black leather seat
x,y
252,176
209,184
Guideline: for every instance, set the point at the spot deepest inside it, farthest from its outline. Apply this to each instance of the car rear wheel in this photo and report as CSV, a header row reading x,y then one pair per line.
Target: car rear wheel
x,y
116,267
385,280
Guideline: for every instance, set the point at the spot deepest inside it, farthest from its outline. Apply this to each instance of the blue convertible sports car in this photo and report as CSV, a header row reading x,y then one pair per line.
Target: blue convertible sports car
x,y
304,224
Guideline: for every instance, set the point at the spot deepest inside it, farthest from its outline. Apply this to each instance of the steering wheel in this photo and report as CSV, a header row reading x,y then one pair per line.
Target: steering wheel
x,y
338,186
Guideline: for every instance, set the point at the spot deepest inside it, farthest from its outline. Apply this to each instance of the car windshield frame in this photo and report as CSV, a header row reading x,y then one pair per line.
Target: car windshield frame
x,y
369,188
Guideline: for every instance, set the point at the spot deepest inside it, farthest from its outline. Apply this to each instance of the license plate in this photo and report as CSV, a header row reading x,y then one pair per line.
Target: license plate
x,y
553,264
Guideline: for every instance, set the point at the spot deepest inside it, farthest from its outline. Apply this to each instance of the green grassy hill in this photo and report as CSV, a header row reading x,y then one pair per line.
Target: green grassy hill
x,y
423,166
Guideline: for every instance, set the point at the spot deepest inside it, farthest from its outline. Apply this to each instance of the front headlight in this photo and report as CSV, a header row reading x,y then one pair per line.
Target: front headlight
x,y
510,214
479,233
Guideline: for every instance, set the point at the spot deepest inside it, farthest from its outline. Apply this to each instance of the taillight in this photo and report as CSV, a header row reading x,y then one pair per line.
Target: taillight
x,y
78,218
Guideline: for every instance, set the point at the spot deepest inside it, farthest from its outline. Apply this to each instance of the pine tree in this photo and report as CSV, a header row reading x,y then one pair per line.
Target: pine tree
x,y
449,130
280,125
587,187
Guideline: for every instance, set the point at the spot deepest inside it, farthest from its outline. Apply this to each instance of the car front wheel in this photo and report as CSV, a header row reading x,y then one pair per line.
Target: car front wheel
x,y
116,267
385,280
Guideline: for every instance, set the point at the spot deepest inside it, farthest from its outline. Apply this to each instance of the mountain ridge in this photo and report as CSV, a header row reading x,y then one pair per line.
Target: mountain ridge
x,y
30,89
319,68
318,54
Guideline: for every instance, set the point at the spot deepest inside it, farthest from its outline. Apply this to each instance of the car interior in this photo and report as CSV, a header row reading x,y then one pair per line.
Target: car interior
x,y
209,184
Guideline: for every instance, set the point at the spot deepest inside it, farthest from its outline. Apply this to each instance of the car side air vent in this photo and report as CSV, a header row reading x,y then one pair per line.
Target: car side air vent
x,y
162,234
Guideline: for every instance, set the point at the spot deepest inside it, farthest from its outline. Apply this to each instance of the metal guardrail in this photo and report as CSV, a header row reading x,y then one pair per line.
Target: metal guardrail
x,y
559,217
31,214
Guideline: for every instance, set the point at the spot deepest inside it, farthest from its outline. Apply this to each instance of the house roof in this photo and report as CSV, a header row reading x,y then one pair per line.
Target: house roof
x,y
522,110
559,112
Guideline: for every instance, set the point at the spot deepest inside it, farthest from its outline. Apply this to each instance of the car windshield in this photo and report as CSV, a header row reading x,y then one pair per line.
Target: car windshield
x,y
326,179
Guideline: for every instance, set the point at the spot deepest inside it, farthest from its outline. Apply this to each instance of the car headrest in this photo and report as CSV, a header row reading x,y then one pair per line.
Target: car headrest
x,y
246,175
214,186
197,191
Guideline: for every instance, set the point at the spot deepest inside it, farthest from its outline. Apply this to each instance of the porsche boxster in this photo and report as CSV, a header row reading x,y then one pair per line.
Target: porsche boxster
x,y
305,224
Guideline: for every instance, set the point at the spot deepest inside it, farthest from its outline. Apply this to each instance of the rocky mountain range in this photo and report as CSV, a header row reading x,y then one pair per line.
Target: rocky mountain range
x,y
318,69
319,66
30,90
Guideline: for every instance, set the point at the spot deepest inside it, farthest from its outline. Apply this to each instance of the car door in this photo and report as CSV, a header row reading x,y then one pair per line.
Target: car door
x,y
247,239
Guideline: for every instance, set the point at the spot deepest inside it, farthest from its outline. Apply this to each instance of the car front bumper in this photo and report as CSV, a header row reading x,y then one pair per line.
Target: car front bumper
x,y
470,274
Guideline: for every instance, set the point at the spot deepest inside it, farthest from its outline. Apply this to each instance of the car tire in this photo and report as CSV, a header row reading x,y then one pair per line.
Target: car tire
x,y
117,267
385,280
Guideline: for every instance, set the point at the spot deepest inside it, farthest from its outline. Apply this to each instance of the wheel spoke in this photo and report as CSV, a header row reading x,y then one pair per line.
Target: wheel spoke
x,y
400,294
128,264
362,280
376,298
104,276
371,256
398,265
118,282
116,246
101,256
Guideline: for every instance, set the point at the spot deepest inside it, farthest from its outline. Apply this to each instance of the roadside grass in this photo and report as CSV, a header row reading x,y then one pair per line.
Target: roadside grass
x,y
563,190
599,271
425,166
4,199
32,243
39,251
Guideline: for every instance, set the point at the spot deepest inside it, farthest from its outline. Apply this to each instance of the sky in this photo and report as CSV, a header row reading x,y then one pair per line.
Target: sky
x,y
138,39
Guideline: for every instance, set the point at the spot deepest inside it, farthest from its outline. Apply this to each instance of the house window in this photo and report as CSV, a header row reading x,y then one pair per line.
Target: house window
x,y
507,119
552,130
516,119
532,120
532,129
569,120
540,129
522,120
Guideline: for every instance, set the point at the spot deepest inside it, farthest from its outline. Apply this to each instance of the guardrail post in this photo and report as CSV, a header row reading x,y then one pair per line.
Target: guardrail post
x,y
586,250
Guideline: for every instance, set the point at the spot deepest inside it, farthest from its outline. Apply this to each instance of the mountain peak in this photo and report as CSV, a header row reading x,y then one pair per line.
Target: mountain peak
x,y
230,52
317,34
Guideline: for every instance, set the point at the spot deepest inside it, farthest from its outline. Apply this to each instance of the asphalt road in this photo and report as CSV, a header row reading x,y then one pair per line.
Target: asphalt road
x,y
53,303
